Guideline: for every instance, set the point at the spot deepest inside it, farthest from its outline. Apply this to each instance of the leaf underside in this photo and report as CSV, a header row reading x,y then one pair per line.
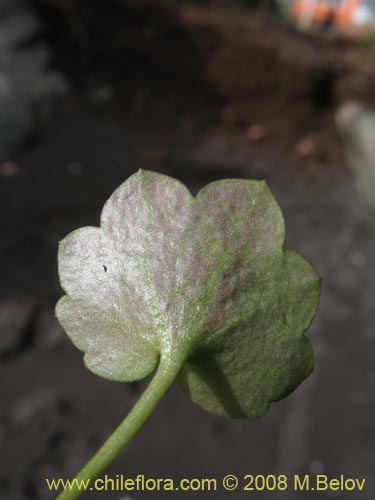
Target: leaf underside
x,y
204,280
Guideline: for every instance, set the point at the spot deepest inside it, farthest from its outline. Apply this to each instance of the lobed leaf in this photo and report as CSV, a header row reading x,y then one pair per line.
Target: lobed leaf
x,y
204,280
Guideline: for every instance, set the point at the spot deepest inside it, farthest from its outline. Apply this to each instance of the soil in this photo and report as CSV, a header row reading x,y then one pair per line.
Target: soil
x,y
153,65
139,100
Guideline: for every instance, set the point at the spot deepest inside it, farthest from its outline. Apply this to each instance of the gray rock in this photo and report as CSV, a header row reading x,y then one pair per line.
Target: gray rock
x,y
15,318
29,406
30,93
49,334
27,326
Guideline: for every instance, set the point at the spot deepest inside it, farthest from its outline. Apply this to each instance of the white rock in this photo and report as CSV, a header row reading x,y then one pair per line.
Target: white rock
x,y
356,125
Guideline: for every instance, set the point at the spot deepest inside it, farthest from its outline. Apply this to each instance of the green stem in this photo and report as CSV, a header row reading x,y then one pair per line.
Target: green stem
x,y
164,376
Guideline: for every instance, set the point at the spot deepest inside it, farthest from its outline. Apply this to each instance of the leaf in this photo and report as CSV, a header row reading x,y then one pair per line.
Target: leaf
x,y
203,280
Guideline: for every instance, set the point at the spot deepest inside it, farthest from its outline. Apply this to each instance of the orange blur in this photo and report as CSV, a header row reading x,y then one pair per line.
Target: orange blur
x,y
340,13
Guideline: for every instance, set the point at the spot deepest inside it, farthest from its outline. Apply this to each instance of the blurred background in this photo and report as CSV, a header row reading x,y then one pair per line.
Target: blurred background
x,y
91,91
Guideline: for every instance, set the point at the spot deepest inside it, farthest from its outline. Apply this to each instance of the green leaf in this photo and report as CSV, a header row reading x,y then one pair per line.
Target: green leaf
x,y
204,282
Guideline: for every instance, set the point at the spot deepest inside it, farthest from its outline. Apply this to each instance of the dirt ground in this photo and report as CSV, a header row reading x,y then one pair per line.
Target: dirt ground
x,y
188,109
241,71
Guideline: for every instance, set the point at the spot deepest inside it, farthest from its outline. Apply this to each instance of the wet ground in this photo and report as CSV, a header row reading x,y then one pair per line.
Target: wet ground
x,y
54,413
